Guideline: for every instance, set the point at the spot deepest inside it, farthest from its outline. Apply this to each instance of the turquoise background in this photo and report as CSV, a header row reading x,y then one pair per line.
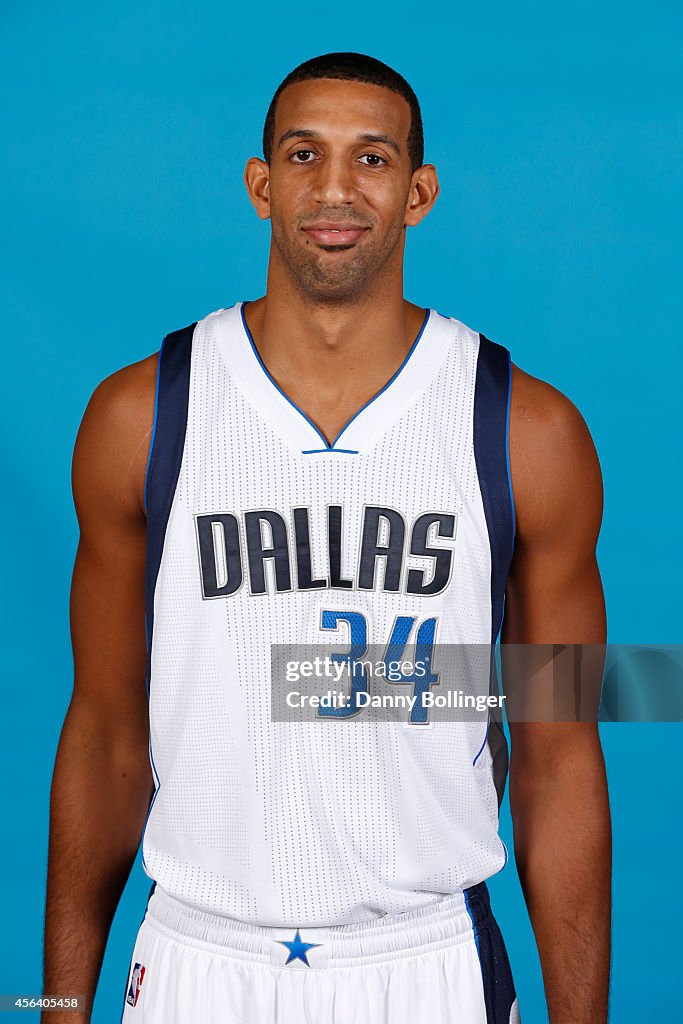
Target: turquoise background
x,y
557,135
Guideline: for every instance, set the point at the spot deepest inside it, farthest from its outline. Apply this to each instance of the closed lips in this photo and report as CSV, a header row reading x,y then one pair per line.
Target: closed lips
x,y
335,232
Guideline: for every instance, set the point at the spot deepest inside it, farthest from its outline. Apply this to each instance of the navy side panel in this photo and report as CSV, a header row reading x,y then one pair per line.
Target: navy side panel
x,y
491,425
163,469
166,452
493,388
499,988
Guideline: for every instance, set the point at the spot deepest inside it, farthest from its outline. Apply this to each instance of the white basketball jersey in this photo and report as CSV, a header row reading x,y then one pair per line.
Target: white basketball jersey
x,y
262,533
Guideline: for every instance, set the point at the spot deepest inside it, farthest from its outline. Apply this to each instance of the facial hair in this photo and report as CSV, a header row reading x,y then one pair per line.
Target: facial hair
x,y
326,279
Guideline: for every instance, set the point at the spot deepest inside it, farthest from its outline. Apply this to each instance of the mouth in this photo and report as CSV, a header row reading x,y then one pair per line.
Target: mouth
x,y
334,234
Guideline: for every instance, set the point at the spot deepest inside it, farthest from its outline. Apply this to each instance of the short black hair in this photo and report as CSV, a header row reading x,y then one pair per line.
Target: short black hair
x,y
352,67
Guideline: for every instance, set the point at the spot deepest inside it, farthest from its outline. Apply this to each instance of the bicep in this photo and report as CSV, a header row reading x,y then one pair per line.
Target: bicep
x,y
554,593
107,592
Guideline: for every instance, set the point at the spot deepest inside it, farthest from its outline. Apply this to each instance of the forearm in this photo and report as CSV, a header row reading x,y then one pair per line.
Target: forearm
x,y
563,852
99,800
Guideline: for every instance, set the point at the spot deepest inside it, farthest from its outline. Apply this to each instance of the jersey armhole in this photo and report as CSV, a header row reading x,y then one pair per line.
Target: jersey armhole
x,y
171,405
491,434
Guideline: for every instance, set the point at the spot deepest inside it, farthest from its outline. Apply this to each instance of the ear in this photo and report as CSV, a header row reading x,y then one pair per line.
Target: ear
x,y
424,188
257,180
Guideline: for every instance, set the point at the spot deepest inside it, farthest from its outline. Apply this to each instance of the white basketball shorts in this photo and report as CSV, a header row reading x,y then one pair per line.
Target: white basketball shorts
x,y
441,964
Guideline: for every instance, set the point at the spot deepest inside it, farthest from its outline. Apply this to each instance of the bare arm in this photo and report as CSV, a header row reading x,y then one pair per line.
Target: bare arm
x,y
558,788
102,779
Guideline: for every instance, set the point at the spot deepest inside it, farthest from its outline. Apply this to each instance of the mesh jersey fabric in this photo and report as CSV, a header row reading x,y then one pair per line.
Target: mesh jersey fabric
x,y
303,823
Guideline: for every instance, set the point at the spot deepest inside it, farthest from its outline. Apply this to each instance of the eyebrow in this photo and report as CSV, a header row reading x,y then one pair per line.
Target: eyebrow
x,y
309,133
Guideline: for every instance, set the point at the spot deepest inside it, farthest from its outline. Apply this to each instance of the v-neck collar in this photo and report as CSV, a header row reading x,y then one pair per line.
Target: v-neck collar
x,y
296,428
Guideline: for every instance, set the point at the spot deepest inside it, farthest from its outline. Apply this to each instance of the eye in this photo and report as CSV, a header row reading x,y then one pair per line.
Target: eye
x,y
302,156
373,159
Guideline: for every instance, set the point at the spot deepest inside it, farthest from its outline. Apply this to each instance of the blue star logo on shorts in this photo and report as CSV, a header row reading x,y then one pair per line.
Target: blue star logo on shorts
x,y
298,949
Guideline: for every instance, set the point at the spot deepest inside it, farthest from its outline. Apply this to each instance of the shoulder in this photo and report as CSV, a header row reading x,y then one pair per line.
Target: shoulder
x,y
542,417
122,402
112,445
553,461
544,422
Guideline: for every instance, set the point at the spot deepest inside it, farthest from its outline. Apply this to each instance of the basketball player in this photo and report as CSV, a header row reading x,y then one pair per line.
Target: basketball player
x,y
316,466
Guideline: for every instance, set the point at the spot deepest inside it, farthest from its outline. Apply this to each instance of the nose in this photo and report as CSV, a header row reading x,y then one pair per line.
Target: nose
x,y
334,183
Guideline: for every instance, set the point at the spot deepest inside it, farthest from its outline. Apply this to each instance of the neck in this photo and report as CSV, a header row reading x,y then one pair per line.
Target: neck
x,y
303,337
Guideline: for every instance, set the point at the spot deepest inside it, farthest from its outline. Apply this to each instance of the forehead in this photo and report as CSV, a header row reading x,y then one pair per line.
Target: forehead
x,y
338,108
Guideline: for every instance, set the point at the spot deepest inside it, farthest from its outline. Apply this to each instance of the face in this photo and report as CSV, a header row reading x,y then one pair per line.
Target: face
x,y
339,190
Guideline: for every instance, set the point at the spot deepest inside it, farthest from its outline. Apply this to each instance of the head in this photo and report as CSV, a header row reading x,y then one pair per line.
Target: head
x,y
342,175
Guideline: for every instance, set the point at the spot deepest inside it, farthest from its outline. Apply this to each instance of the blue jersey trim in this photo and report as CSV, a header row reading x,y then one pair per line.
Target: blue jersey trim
x,y
391,379
157,787
484,741
154,427
507,457
275,383
331,447
326,451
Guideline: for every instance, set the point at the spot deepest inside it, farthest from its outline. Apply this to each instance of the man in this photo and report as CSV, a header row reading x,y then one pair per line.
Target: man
x,y
327,463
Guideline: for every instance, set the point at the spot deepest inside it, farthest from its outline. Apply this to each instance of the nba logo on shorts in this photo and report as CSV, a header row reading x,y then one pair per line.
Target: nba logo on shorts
x,y
135,984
